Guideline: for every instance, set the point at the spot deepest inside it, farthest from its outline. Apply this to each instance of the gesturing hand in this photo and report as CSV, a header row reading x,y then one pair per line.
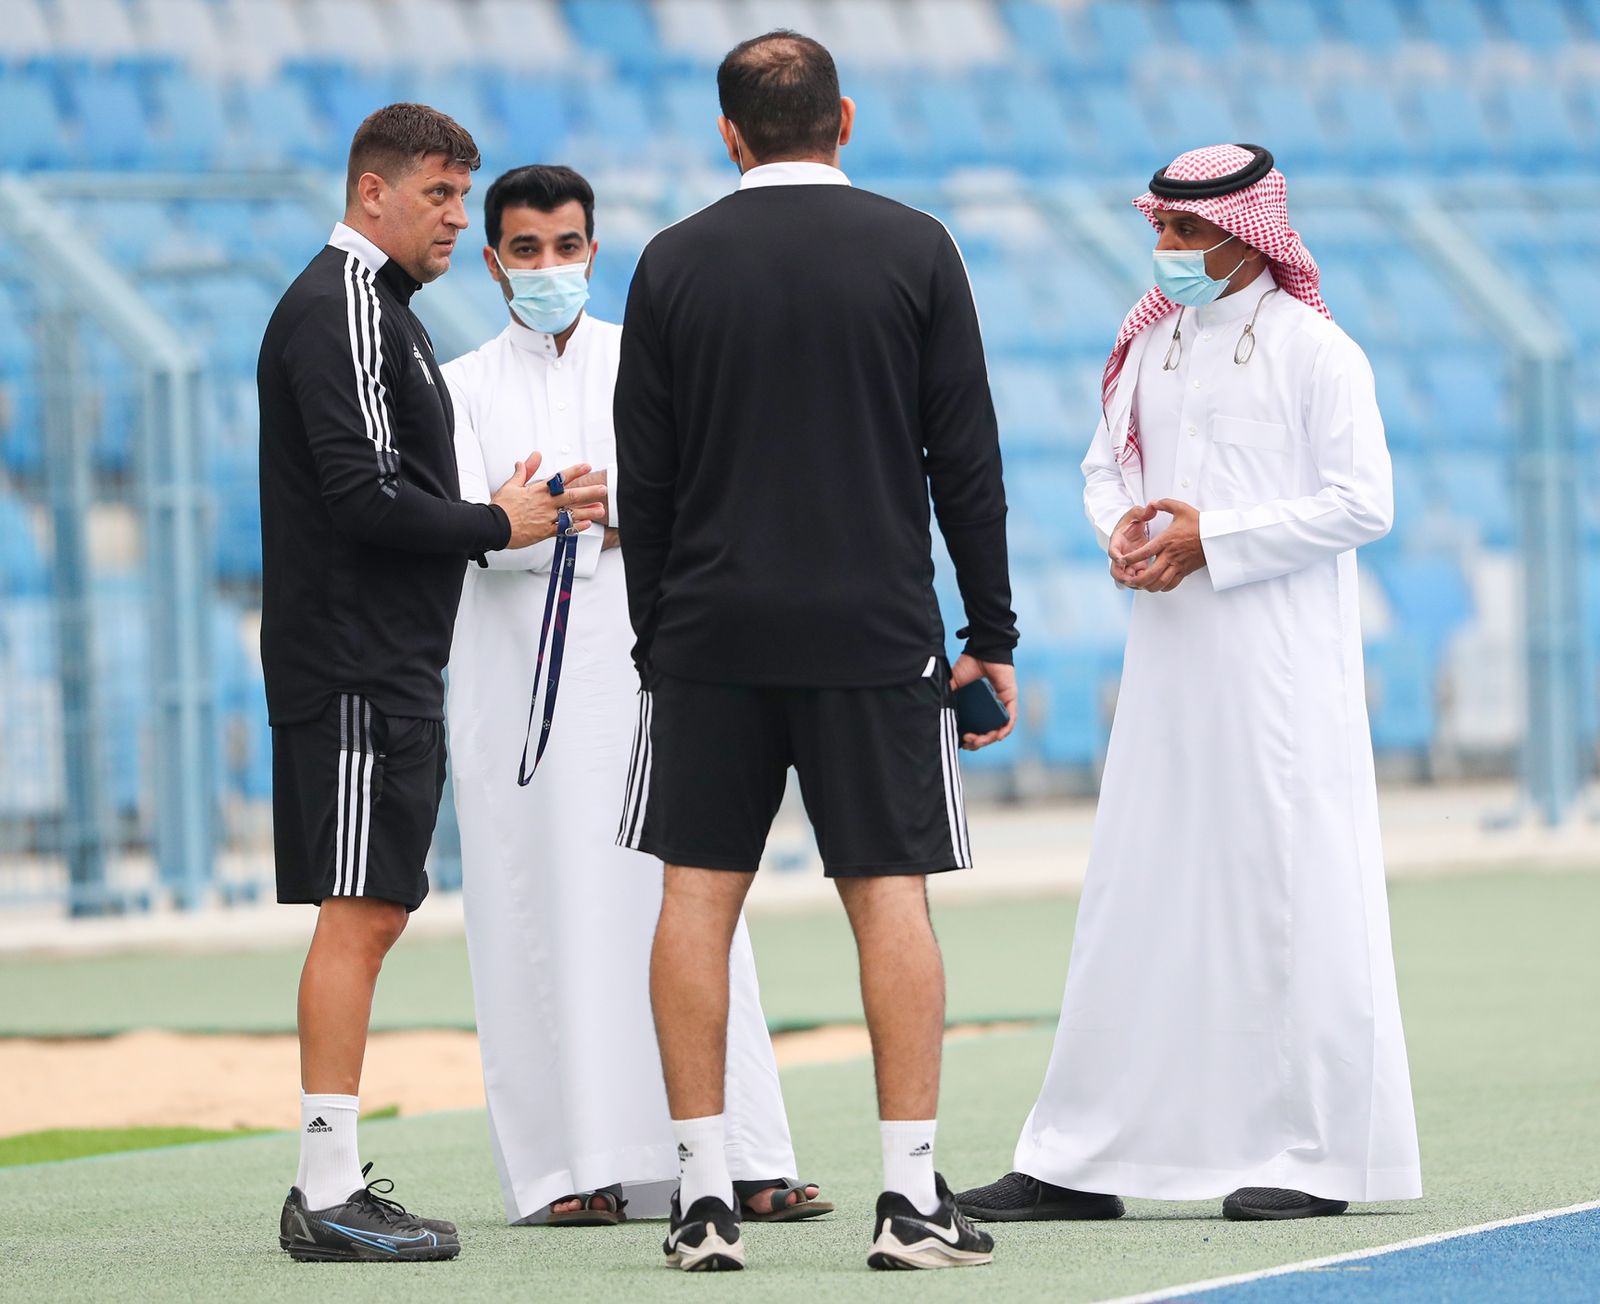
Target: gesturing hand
x,y
1002,678
1132,533
1174,554
532,511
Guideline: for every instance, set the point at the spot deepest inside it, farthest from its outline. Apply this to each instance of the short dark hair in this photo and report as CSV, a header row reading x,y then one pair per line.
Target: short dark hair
x,y
395,139
544,186
782,91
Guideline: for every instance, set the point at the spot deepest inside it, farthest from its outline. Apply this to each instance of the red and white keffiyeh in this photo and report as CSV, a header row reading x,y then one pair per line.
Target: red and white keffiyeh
x,y
1258,215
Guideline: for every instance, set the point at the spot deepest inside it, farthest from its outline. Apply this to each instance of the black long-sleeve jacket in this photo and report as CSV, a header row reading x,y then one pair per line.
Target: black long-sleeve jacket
x,y
800,365
364,537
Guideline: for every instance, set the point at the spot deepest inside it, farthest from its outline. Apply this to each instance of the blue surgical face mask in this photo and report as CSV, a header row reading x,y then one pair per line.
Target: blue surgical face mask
x,y
547,299
1181,275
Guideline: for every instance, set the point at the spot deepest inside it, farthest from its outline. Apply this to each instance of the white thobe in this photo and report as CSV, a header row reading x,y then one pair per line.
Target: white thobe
x,y
559,919
1230,1016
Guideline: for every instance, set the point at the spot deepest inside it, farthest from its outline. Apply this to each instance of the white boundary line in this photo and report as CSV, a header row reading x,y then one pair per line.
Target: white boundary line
x,y
1216,1283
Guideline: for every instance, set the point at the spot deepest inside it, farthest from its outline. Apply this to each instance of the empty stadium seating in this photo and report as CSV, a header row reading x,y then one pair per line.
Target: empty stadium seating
x,y
999,115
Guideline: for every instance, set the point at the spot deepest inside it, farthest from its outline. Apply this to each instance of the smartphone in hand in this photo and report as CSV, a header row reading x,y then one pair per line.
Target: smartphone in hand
x,y
978,709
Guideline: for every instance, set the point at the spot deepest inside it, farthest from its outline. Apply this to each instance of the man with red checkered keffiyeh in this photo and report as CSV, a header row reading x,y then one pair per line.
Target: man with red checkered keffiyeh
x,y
1231,1025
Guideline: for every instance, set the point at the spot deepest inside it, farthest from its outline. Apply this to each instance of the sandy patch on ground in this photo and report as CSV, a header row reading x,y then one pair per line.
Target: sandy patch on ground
x,y
166,1079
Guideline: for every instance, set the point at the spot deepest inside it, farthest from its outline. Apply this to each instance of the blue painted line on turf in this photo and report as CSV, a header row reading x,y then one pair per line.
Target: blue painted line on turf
x,y
1553,1260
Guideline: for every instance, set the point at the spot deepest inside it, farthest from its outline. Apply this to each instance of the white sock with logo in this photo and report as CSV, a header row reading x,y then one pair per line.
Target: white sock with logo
x,y
702,1160
330,1166
908,1161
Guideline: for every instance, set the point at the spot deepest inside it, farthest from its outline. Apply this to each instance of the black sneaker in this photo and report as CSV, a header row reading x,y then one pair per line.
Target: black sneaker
x,y
366,1227
1270,1203
942,1239
706,1239
1017,1197
432,1224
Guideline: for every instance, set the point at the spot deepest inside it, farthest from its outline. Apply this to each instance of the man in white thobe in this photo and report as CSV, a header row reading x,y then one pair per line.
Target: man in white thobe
x,y
559,919
1231,1025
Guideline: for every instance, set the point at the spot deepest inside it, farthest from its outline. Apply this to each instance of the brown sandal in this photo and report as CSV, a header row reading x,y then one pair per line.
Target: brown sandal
x,y
782,1188
588,1216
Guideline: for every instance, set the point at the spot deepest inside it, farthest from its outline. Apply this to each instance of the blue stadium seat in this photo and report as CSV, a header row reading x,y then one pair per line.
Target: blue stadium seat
x,y
1401,697
622,29
540,114
1041,138
1469,402
1072,683
1455,25
881,142
33,137
1206,26
1455,130
1042,32
617,123
1284,112
1538,24
691,110
1292,25
23,573
1123,32
112,131
281,128
1119,127
191,125
1196,113
1429,597
1375,134
1029,406
1374,27
1478,487
1543,133
953,131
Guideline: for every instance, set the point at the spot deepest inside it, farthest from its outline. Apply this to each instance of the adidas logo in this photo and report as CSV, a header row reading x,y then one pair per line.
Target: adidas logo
x,y
417,354
925,1148
684,1152
318,1125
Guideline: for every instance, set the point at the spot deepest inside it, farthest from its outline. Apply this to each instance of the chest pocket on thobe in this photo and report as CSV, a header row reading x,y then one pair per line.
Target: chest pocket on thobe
x,y
1248,462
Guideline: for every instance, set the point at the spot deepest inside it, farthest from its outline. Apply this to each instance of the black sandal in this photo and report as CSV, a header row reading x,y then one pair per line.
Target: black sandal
x,y
781,1187
588,1216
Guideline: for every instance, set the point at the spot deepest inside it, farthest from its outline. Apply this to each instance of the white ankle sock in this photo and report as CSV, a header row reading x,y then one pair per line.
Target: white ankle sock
x,y
702,1160
330,1166
908,1161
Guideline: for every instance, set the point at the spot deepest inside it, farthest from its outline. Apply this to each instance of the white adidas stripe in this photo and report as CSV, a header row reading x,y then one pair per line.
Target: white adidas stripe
x,y
344,764
368,761
950,766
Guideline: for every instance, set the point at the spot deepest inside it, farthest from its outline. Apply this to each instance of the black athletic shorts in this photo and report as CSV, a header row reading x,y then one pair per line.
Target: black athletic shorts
x,y
878,773
355,796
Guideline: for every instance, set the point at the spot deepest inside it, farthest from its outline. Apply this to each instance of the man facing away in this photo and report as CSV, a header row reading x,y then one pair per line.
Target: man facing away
x,y
364,543
800,362
558,916
1231,1025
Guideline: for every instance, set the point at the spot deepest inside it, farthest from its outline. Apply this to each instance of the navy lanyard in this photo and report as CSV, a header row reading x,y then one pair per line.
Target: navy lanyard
x,y
557,599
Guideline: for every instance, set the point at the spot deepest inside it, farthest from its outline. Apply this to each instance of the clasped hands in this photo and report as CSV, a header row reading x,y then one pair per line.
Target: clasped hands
x,y
533,510
1156,565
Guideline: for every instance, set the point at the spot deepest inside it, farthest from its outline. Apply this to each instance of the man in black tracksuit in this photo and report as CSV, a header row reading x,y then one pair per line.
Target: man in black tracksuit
x,y
801,364
364,545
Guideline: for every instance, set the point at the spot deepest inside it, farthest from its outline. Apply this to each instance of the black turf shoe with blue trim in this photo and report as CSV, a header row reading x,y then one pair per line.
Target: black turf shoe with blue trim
x,y
366,1228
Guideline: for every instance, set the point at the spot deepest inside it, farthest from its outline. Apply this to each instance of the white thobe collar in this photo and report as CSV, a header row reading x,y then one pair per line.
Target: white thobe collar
x,y
1238,306
541,344
793,173
353,242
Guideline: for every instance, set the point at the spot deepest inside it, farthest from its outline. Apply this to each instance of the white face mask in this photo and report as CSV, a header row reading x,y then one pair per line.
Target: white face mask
x,y
547,299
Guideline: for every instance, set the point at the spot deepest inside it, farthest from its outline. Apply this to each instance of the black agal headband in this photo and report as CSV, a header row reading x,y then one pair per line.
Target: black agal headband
x,y
1165,187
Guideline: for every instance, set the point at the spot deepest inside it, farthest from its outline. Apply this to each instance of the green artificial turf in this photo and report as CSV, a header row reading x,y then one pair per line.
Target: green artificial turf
x,y
76,1143
1497,978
